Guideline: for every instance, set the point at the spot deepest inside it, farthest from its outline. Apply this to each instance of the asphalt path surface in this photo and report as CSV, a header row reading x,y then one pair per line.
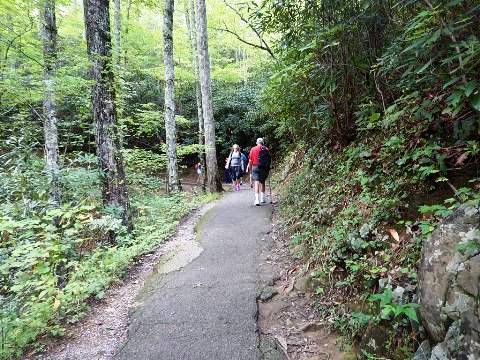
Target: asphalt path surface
x,y
207,309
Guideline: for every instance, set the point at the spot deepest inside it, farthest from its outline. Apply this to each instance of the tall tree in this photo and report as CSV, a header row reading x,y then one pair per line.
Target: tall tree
x,y
99,45
192,33
213,179
49,37
125,37
170,126
117,14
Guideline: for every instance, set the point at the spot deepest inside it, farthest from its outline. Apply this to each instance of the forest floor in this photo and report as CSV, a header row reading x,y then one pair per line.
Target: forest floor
x,y
225,287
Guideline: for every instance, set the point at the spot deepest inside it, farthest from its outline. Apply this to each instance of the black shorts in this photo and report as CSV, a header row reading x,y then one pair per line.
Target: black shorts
x,y
236,172
259,174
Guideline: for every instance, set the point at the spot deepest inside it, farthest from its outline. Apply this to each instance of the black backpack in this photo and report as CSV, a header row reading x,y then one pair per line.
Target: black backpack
x,y
264,158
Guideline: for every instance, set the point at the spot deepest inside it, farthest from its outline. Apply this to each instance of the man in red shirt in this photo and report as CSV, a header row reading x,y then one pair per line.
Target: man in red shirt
x,y
259,173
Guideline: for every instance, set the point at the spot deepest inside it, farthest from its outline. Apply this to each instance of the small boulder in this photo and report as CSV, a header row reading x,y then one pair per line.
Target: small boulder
x,y
267,293
448,286
423,352
375,339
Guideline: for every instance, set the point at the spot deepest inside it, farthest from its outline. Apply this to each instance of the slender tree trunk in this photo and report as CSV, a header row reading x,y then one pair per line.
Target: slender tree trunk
x,y
125,38
117,33
49,37
192,33
213,179
170,126
97,29
117,57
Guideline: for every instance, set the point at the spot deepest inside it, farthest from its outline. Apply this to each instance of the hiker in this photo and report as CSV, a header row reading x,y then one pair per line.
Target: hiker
x,y
244,162
236,166
259,163
199,170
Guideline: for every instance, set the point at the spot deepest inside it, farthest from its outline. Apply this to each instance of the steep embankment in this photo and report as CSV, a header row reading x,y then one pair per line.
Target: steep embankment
x,y
359,216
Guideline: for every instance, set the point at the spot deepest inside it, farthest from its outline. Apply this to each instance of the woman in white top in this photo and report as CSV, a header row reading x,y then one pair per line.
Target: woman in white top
x,y
236,166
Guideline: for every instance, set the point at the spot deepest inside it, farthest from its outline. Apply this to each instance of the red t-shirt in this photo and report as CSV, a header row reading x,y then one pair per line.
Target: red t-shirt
x,y
253,158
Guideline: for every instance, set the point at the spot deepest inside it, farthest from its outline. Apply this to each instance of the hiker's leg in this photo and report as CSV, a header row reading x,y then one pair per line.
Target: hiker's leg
x,y
262,191
257,195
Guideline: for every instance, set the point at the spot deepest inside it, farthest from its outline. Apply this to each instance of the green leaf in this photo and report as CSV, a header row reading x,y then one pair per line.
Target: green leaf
x,y
452,81
469,88
374,117
475,102
424,67
387,312
410,313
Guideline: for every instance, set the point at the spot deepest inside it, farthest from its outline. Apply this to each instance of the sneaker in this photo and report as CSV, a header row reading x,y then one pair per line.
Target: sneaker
x,y
238,187
257,203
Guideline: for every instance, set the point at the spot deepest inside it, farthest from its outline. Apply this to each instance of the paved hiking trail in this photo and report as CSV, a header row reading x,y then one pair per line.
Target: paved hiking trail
x,y
205,307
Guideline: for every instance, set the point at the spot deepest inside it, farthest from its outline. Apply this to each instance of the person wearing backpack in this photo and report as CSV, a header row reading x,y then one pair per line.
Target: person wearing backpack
x,y
259,162
244,167
236,166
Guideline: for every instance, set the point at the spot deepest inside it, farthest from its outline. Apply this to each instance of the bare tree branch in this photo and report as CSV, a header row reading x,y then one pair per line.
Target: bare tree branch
x,y
245,41
9,44
264,45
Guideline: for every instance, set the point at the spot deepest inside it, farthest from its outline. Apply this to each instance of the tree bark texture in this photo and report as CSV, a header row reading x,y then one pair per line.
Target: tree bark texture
x,y
192,33
213,179
97,29
49,38
118,32
170,126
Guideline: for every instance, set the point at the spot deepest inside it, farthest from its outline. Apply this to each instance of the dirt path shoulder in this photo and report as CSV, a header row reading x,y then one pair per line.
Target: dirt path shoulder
x,y
99,335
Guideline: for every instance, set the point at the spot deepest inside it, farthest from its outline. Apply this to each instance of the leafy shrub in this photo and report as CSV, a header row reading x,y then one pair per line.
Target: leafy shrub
x,y
53,261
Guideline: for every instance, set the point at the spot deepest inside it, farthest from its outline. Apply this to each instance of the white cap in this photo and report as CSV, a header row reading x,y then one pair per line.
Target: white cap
x,y
260,141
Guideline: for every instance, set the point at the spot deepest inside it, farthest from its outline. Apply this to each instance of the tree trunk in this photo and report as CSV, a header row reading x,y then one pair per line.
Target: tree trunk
x,y
49,37
97,29
213,179
117,33
125,38
192,33
170,126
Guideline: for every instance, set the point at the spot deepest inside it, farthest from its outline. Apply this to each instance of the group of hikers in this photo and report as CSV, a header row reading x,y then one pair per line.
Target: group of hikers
x,y
257,164
237,164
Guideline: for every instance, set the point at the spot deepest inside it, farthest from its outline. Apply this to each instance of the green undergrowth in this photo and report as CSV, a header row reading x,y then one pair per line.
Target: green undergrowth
x,y
358,216
54,262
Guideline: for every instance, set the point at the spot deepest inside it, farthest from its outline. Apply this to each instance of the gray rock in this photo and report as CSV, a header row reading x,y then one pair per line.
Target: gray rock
x,y
397,295
448,287
440,352
267,293
270,349
423,352
384,282
374,340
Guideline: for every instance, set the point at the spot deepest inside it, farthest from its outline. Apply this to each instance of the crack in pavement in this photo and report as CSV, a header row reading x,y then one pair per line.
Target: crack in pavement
x,y
207,309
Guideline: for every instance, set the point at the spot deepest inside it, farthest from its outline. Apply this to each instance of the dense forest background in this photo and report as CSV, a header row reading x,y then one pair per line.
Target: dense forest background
x,y
53,259
371,109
